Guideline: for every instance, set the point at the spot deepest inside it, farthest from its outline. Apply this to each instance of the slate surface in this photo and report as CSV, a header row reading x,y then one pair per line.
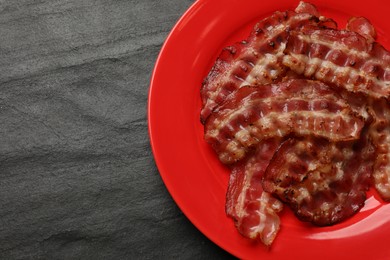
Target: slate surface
x,y
77,177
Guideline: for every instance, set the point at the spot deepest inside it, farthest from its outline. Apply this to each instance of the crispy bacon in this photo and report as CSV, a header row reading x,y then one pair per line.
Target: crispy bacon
x,y
322,182
379,133
340,57
302,107
257,60
376,114
308,8
255,212
362,26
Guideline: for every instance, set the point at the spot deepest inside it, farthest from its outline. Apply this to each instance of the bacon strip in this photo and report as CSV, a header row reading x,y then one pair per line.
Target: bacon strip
x,y
304,7
255,212
302,107
323,183
379,133
255,61
362,26
340,57
376,114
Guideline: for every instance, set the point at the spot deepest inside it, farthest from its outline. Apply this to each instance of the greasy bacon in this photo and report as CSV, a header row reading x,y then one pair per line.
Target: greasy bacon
x,y
308,8
304,7
254,211
362,26
301,107
300,113
257,60
340,57
379,133
376,114
323,183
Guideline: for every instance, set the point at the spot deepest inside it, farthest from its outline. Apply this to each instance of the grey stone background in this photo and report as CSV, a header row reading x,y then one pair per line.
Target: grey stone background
x,y
77,176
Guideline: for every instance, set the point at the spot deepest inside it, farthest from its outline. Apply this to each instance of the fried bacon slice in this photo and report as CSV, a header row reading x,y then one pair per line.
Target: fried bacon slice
x,y
322,182
376,114
379,133
362,26
314,144
304,7
298,106
257,60
254,211
340,57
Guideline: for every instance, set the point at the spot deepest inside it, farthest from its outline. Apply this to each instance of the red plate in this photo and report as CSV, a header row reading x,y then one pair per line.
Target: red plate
x,y
190,169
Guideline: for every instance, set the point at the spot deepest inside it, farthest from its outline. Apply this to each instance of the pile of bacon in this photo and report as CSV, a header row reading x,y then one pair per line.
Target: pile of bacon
x,y
299,112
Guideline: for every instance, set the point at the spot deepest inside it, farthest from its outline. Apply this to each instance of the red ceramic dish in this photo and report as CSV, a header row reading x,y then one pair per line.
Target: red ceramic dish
x,y
191,170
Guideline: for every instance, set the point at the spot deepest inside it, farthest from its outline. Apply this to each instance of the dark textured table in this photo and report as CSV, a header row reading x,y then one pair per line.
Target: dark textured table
x,y
77,176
